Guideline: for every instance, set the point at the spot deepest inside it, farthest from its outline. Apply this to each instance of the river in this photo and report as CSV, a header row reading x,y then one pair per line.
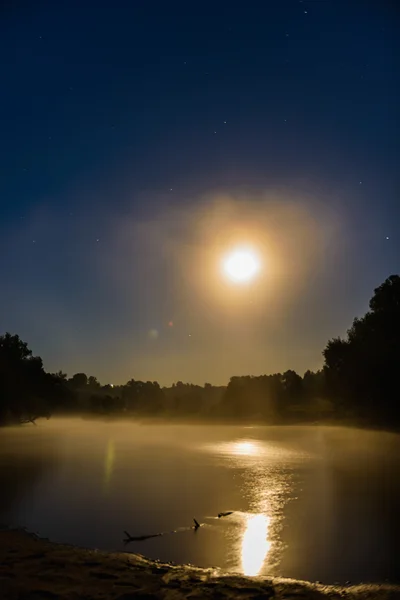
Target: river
x,y
315,503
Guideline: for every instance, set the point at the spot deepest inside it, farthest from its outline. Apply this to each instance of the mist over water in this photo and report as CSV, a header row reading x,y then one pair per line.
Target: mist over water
x,y
312,503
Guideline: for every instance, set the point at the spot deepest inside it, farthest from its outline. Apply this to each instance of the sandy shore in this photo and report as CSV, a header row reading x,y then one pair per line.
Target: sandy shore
x,y
32,568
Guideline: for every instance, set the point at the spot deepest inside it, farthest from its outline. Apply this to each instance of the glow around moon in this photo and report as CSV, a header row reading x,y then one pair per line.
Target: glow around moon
x,y
241,265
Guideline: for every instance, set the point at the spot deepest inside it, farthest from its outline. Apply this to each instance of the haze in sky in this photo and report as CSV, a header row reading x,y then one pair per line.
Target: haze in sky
x,y
142,145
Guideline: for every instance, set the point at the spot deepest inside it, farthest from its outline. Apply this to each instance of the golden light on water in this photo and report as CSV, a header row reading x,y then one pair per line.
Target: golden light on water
x,y
245,448
241,265
255,544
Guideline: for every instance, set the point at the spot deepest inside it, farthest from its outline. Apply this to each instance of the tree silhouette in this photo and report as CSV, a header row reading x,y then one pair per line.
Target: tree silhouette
x,y
359,380
361,370
24,385
93,383
79,380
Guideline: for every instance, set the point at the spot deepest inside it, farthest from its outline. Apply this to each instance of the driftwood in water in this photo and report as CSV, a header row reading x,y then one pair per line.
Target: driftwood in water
x,y
28,420
139,538
225,514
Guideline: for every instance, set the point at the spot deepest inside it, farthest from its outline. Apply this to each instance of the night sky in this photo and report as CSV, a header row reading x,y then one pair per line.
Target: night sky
x,y
140,140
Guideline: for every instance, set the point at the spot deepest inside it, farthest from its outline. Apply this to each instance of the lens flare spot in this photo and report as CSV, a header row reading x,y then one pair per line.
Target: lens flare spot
x,y
109,464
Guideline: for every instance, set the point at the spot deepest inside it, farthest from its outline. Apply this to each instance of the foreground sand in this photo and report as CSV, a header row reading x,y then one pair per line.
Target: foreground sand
x,y
35,569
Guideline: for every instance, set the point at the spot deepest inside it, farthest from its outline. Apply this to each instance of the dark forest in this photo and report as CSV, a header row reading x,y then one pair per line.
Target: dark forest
x,y
358,383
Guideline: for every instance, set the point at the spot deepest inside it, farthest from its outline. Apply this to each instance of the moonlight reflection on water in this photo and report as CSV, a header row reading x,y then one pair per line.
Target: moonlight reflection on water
x,y
264,480
245,448
315,503
255,544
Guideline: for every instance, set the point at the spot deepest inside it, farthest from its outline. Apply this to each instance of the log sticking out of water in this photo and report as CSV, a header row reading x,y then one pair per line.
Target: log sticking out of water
x,y
139,538
225,514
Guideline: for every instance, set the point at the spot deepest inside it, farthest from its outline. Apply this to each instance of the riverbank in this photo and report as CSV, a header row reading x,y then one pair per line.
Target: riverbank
x,y
32,568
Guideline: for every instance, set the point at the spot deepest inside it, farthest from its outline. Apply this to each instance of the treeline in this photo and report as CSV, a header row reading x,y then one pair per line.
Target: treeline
x,y
358,382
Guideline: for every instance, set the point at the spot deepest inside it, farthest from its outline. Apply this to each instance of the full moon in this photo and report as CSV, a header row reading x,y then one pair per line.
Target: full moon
x,y
241,265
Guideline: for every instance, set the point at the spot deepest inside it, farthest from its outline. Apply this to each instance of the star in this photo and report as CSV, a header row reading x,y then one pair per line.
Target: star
x,y
360,182
387,237
306,12
224,122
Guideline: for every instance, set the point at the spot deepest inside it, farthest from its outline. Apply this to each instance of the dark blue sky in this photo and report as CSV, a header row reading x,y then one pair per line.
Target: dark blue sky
x,y
123,124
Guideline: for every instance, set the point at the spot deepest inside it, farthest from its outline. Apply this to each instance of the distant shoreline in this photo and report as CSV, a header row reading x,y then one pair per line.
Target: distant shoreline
x,y
34,569
215,422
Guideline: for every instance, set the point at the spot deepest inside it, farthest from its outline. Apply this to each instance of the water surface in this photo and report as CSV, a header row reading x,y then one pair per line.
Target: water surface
x,y
311,503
